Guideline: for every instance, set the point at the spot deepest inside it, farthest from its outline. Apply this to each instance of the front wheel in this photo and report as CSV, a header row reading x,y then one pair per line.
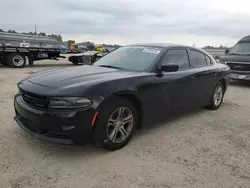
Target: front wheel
x,y
217,98
116,124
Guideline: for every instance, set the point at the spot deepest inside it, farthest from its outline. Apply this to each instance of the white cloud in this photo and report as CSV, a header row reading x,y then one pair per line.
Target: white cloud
x,y
204,22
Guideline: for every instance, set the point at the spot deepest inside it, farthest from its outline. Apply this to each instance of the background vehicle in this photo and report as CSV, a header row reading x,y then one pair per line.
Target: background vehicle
x,y
87,58
24,44
72,47
61,47
15,56
122,91
99,47
238,59
16,39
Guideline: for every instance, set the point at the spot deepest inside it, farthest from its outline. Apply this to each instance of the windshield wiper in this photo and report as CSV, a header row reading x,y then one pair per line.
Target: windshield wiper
x,y
109,66
237,54
234,54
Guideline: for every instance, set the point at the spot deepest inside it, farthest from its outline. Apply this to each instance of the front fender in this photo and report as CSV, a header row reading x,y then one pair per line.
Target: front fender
x,y
104,99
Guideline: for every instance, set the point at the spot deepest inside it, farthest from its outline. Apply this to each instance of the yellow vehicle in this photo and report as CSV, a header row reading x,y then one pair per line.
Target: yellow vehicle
x,y
99,47
72,46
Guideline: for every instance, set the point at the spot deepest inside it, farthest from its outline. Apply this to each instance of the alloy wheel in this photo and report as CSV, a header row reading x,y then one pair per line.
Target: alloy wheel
x,y
120,124
218,95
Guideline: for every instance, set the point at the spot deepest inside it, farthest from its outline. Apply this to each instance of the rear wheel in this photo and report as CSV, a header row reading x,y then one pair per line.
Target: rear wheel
x,y
31,62
217,98
116,124
16,60
4,60
75,62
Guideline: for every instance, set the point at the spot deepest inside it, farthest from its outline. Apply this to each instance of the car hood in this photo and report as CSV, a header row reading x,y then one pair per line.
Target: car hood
x,y
240,58
83,75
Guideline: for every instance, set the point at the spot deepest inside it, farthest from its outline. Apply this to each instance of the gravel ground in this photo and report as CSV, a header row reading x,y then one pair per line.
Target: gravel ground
x,y
196,149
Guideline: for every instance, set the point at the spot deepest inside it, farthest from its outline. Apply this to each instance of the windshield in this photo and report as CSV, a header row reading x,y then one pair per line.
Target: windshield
x,y
130,58
240,48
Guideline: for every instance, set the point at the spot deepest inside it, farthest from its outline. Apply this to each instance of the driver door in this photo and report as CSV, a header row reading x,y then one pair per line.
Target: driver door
x,y
178,88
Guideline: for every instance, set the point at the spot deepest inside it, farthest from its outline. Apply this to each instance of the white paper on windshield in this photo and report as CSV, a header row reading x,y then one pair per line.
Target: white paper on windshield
x,y
151,51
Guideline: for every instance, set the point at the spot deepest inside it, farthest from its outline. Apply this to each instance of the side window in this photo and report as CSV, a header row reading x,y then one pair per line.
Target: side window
x,y
208,60
197,59
179,57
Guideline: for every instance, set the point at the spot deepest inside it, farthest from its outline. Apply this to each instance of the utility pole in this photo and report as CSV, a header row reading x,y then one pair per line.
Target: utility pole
x,y
35,28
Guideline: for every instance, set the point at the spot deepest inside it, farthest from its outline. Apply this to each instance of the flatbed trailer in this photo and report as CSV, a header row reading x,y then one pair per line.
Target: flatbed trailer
x,y
17,57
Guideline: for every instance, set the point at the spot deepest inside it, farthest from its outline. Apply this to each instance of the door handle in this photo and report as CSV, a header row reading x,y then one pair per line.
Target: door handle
x,y
191,77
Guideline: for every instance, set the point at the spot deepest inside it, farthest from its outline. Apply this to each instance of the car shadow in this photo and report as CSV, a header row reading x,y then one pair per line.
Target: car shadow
x,y
72,152
240,83
60,150
172,116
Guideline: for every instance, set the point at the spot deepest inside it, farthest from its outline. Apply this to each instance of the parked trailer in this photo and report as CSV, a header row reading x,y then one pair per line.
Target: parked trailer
x,y
16,57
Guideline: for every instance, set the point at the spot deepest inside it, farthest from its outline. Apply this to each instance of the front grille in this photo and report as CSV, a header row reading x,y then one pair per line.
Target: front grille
x,y
34,100
239,66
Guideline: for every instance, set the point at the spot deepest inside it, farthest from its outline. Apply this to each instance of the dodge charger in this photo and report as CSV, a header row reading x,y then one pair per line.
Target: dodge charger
x,y
108,101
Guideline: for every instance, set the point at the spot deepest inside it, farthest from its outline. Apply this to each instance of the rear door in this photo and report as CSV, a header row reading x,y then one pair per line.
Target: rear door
x,y
205,76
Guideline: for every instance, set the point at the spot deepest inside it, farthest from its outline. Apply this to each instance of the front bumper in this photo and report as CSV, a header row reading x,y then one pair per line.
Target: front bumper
x,y
58,126
240,75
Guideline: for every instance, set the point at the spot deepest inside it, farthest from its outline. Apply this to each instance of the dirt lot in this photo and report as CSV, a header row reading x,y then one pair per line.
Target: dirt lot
x,y
198,149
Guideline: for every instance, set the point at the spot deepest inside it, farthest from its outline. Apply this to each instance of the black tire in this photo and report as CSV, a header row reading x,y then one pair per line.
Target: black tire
x,y
31,62
212,103
4,61
16,60
101,126
75,62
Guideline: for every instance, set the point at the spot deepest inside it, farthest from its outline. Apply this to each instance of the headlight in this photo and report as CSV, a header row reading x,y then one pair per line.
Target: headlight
x,y
69,102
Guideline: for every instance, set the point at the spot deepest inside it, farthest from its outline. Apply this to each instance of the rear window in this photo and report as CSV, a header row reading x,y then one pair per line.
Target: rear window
x,y
197,59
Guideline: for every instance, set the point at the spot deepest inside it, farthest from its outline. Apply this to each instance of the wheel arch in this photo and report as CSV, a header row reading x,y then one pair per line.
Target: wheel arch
x,y
132,97
224,83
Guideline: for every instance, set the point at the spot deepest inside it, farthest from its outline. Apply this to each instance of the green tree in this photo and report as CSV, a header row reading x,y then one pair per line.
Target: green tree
x,y
42,34
11,31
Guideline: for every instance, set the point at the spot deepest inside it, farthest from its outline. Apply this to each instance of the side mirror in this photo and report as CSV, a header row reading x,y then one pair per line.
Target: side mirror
x,y
170,68
226,51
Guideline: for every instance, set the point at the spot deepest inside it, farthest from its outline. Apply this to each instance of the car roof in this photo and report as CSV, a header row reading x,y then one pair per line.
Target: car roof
x,y
153,44
245,39
169,45
162,45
